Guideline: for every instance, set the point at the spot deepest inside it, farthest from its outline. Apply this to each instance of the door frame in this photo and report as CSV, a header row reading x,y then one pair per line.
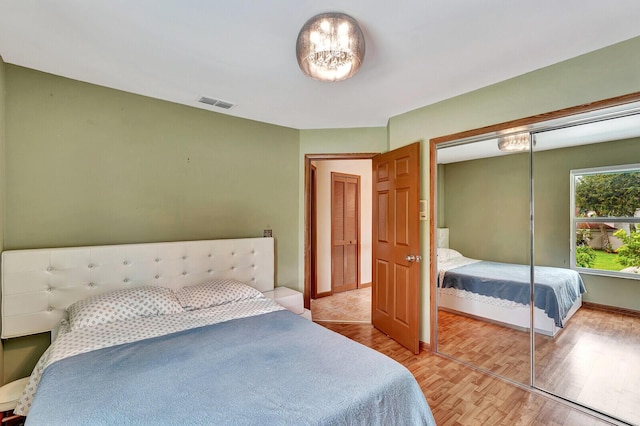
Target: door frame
x,y
308,158
313,224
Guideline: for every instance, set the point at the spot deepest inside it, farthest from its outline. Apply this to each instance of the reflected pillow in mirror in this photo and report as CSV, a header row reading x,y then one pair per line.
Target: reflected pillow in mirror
x,y
447,254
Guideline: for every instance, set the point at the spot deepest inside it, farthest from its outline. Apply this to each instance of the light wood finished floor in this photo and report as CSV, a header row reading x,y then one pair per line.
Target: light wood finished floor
x,y
346,307
595,360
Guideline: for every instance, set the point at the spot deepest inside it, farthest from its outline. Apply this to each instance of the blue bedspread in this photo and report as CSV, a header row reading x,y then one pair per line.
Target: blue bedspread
x,y
271,369
556,289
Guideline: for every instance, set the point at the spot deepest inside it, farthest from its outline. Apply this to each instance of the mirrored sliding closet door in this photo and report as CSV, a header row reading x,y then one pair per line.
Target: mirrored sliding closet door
x,y
587,204
540,224
483,227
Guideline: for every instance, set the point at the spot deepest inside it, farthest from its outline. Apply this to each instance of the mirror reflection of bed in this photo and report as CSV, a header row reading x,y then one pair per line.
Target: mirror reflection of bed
x,y
500,292
588,351
483,309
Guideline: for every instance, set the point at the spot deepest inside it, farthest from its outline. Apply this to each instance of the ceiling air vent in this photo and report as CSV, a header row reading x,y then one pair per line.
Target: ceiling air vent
x,y
216,103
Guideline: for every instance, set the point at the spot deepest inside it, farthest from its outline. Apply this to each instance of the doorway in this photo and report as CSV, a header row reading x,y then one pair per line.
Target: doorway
x,y
339,289
395,237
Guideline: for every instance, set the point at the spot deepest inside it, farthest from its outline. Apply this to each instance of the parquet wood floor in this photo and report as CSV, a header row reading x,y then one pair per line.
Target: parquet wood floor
x,y
594,360
496,348
348,306
459,395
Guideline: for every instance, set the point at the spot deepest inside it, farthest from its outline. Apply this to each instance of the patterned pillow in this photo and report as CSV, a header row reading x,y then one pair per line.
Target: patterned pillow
x,y
447,254
121,305
214,293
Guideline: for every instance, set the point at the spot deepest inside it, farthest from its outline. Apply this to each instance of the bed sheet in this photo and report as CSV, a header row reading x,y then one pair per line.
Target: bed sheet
x,y
70,343
273,368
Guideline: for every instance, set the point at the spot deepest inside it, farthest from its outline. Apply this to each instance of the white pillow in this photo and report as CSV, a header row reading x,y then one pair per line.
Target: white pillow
x,y
121,305
214,293
447,254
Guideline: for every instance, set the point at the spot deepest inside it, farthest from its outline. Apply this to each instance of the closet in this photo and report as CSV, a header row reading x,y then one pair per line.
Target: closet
x,y
523,193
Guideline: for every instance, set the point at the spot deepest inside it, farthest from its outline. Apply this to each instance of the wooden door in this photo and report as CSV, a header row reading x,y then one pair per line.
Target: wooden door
x,y
345,232
396,245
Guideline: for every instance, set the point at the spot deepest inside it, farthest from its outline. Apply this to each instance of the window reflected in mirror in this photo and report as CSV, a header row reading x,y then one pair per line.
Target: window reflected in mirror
x,y
606,220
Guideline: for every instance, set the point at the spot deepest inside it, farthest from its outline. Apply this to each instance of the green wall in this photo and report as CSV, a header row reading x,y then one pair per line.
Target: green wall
x,y
87,165
2,138
332,141
2,144
605,73
487,208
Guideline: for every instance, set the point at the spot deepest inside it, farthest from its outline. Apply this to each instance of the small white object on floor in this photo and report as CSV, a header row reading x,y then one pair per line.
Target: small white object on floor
x,y
10,393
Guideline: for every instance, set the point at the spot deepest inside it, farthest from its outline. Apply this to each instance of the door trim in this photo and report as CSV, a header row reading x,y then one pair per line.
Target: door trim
x,y
308,158
313,272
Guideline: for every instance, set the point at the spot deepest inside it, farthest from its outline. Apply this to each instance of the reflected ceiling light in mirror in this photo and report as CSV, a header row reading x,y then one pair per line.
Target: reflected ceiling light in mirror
x,y
518,142
330,47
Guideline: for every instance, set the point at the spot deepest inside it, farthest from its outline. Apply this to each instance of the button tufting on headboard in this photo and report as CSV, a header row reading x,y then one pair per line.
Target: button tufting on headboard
x,y
38,285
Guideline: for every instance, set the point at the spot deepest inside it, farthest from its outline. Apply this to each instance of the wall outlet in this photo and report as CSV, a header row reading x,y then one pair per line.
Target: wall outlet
x,y
267,233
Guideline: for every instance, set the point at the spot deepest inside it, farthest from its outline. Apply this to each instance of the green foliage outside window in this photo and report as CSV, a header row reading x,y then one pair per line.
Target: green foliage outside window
x,y
585,256
629,253
608,195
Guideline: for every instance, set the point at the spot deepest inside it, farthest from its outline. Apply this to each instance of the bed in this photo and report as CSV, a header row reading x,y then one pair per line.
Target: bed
x,y
181,333
500,292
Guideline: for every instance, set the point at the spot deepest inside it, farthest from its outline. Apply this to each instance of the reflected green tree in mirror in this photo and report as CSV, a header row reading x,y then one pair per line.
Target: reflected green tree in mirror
x,y
607,195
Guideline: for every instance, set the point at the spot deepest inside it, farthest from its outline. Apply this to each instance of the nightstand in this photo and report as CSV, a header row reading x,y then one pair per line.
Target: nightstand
x,y
290,299
9,395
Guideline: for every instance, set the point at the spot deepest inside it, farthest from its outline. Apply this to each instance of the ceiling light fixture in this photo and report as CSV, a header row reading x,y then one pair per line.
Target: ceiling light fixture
x,y
330,47
518,142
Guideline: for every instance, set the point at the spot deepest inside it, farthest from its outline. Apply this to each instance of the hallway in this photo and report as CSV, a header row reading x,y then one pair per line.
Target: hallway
x,y
347,307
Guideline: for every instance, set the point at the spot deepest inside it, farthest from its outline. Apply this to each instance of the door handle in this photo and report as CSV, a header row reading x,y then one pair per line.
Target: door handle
x,y
411,258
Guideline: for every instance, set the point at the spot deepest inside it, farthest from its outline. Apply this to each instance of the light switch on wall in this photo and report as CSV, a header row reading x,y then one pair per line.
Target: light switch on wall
x,y
424,209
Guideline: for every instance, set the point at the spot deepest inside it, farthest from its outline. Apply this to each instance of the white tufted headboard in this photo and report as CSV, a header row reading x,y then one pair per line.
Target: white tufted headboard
x,y
38,285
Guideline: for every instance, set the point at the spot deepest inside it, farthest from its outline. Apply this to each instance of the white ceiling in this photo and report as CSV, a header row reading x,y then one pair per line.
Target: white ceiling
x,y
243,51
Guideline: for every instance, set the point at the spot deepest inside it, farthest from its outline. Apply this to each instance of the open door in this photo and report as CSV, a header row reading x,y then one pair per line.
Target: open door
x,y
396,245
